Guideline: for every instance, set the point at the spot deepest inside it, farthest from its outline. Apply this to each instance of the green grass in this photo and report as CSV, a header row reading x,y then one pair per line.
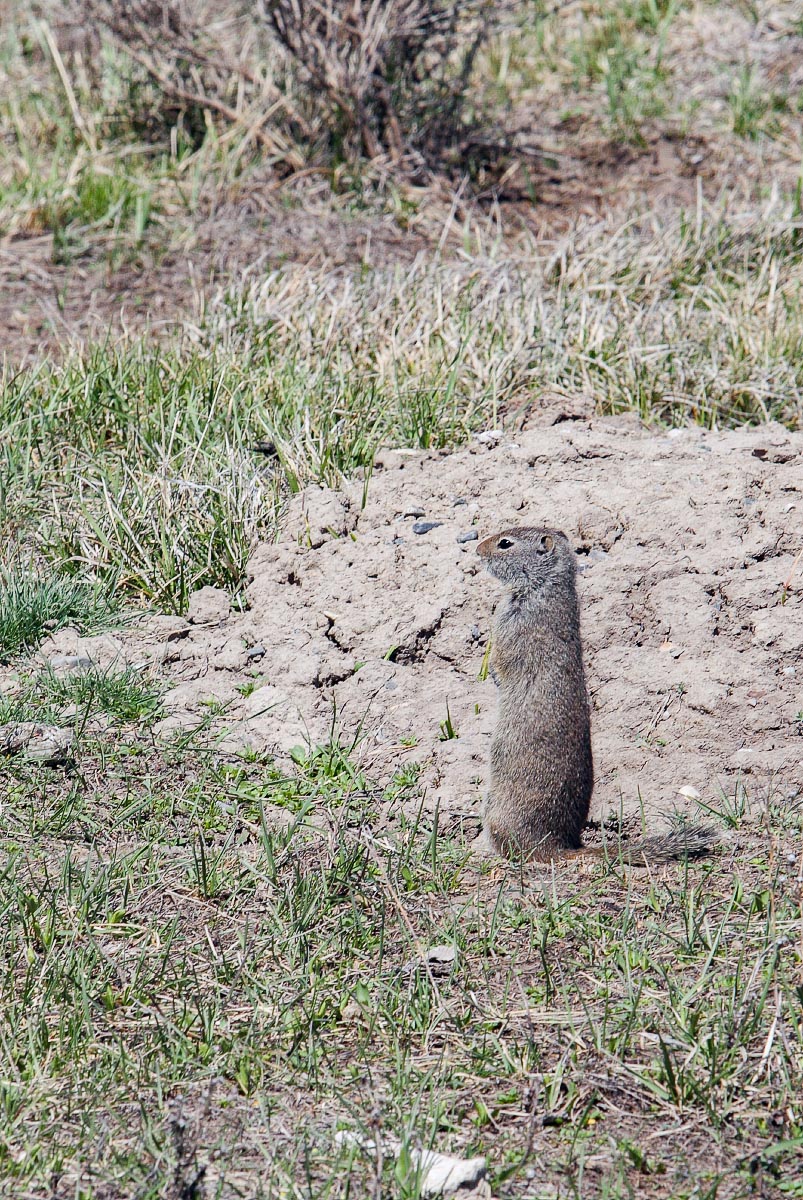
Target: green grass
x,y
31,607
623,51
60,173
755,109
253,985
120,693
137,468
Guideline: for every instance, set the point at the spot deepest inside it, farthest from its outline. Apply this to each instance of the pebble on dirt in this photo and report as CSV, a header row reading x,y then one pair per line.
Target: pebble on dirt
x,y
46,744
425,526
489,437
70,662
470,535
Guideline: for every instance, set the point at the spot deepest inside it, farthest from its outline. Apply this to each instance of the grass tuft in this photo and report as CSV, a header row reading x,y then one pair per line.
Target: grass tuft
x,y
32,607
161,471
122,694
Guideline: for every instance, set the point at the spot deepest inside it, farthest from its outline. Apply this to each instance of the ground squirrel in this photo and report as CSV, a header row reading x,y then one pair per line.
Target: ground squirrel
x,y
542,771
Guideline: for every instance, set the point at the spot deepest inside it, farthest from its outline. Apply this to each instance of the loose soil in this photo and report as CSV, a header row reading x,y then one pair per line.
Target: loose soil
x,y
358,626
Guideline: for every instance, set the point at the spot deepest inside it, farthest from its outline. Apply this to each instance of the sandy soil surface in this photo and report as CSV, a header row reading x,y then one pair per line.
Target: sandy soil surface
x,y
365,621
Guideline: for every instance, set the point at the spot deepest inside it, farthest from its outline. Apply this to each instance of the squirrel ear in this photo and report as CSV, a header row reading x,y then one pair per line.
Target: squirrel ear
x,y
547,542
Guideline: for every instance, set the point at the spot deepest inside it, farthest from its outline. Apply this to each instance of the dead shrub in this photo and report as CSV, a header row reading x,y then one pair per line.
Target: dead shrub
x,y
387,79
194,66
341,79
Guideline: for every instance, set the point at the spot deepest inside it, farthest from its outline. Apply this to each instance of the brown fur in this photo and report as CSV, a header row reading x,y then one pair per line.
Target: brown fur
x,y
542,772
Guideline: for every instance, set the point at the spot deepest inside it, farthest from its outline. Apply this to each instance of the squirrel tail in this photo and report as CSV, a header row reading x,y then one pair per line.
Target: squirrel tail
x,y
684,841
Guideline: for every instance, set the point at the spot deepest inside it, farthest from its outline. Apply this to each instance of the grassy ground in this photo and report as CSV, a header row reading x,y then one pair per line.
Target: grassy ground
x,y
192,991
194,997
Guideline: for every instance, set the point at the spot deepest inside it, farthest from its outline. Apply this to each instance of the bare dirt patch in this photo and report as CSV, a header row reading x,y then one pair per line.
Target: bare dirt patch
x,y
360,626
47,305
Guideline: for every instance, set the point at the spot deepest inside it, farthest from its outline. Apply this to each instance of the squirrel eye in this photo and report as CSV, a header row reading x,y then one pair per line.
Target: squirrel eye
x,y
504,543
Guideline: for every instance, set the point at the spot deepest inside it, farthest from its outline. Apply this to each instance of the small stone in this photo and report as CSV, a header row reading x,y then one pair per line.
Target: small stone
x,y
470,535
70,662
460,500
441,954
415,512
46,744
257,651
207,605
689,792
425,526
489,437
436,957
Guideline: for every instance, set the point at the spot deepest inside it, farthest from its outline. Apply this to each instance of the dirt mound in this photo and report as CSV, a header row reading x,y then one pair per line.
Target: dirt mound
x,y
373,620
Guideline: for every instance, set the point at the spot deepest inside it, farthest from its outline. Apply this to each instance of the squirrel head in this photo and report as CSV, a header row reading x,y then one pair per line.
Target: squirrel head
x,y
529,559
